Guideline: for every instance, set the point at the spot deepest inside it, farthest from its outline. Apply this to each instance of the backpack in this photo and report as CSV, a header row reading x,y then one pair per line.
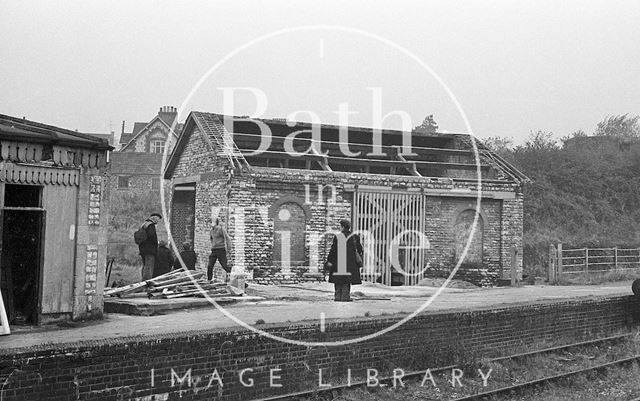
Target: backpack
x,y
141,234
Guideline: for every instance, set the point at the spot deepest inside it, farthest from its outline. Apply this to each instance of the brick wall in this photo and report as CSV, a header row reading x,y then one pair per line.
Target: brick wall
x,y
244,203
253,194
160,366
201,164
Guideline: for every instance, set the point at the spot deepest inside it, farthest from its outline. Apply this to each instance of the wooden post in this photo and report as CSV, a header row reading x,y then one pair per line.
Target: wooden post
x,y
551,271
586,260
514,265
559,267
615,257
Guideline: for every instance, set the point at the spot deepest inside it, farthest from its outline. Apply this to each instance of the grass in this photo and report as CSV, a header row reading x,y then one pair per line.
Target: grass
x,y
619,384
599,278
611,387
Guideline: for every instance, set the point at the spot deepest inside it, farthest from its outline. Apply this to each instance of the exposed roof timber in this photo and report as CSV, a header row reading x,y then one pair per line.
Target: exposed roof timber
x,y
442,151
410,166
504,165
297,125
246,138
272,154
323,162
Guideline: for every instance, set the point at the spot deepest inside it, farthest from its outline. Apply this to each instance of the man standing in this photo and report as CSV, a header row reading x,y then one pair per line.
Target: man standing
x,y
164,259
149,246
188,256
220,241
344,262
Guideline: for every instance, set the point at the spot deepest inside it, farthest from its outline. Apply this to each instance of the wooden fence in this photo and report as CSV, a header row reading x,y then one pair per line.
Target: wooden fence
x,y
589,260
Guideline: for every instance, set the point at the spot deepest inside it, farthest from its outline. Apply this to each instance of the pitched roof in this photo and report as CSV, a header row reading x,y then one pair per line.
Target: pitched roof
x,y
125,138
108,137
20,129
430,155
137,127
135,163
137,131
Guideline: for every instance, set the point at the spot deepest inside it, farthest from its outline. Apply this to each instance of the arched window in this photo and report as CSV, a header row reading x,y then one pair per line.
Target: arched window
x,y
462,229
289,234
157,146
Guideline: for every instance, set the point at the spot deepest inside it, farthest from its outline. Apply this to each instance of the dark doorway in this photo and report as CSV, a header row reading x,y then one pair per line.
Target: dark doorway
x,y
183,215
21,259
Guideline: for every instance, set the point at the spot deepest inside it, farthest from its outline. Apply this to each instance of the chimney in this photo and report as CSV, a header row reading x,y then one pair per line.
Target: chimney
x,y
122,133
168,114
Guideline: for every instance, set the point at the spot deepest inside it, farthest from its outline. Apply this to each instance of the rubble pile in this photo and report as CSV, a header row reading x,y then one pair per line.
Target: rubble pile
x,y
176,284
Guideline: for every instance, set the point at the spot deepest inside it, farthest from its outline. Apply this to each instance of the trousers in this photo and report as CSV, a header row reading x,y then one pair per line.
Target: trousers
x,y
149,262
217,254
342,292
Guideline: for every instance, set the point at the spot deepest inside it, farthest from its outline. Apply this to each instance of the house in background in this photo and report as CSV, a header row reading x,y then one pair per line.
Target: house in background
x,y
136,165
135,183
152,136
53,219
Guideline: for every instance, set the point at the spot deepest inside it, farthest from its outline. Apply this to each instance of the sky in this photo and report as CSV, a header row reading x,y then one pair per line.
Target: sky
x,y
495,68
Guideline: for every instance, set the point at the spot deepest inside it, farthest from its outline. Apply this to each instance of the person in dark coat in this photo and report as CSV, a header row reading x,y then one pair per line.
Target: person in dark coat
x,y
188,256
344,269
149,247
164,260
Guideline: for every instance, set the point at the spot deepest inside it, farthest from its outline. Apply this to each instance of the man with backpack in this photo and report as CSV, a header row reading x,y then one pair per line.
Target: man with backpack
x,y
147,241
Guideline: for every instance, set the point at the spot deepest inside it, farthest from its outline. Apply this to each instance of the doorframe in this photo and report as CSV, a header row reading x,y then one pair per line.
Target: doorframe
x,y
183,187
43,225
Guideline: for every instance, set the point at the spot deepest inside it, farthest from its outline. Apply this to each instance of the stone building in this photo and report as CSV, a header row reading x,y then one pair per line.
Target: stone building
x,y
136,166
54,221
278,205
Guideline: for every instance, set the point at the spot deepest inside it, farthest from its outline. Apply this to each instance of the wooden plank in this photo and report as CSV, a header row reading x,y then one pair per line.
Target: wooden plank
x,y
126,289
59,251
560,260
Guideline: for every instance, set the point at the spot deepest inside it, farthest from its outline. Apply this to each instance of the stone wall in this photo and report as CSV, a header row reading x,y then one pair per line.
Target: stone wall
x,y
91,245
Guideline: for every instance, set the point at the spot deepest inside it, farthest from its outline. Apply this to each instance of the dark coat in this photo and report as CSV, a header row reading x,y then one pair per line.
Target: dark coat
x,y
164,261
150,245
189,258
353,246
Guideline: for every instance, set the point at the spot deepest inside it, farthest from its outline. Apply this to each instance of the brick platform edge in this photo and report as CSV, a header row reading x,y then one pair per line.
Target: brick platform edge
x,y
187,365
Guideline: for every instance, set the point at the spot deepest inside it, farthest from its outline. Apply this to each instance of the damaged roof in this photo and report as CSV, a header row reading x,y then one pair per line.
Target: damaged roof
x,y
302,145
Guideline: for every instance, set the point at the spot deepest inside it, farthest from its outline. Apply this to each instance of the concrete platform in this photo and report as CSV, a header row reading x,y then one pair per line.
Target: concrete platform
x,y
138,306
293,305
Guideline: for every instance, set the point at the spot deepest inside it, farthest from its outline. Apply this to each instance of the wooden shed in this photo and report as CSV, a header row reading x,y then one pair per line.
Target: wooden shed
x,y
53,220
280,186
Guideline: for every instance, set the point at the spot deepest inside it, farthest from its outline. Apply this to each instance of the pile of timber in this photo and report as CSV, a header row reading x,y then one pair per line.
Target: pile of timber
x,y
176,284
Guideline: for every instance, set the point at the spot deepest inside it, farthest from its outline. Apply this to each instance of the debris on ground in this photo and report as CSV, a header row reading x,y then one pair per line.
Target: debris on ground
x,y
454,283
176,284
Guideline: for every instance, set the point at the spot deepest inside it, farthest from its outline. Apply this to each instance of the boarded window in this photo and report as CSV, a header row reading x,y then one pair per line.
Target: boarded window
x,y
462,229
155,183
289,234
123,182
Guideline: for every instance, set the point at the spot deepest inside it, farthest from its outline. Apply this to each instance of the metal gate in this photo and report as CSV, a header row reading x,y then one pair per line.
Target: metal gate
x,y
382,220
